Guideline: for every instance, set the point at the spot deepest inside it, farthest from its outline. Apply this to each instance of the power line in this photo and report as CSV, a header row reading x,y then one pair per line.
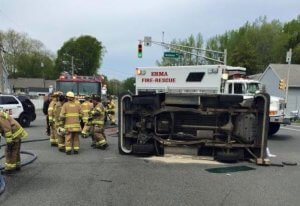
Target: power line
x,y
115,71
12,21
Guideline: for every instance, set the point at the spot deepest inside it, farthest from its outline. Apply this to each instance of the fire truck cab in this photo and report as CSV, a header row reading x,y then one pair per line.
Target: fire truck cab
x,y
80,85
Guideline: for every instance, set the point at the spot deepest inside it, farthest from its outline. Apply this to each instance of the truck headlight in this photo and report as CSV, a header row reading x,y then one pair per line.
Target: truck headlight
x,y
140,72
272,113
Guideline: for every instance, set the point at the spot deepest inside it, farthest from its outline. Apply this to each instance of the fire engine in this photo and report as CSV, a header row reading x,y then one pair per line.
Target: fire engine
x,y
80,85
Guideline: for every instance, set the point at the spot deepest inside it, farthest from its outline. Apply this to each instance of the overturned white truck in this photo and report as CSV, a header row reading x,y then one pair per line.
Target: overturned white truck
x,y
182,106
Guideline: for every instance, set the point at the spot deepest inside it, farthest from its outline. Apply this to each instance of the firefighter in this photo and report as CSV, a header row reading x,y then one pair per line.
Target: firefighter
x,y
53,139
47,101
13,133
97,119
86,108
59,132
111,110
70,117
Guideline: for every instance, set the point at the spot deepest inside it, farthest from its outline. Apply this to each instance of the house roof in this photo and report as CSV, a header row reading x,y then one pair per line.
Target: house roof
x,y
282,69
255,76
31,82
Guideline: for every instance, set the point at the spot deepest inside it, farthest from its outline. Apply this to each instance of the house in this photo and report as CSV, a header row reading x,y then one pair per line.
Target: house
x,y
271,78
32,86
255,76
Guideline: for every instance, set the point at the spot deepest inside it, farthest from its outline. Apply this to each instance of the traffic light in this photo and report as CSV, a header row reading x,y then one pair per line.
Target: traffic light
x,y
140,50
282,84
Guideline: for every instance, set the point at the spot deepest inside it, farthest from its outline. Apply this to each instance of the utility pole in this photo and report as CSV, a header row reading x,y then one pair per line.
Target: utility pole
x,y
72,66
288,60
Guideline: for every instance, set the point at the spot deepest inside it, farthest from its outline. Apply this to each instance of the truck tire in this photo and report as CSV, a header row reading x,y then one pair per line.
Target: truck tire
x,y
273,128
227,157
24,120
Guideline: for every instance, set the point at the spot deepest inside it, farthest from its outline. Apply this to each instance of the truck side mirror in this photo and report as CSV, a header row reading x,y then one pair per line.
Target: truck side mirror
x,y
262,89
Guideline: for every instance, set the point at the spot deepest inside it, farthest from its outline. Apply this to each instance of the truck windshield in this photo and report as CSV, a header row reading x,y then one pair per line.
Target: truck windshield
x,y
67,86
252,87
87,88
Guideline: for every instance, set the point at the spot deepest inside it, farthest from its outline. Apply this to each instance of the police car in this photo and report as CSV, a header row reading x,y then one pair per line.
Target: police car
x,y
19,107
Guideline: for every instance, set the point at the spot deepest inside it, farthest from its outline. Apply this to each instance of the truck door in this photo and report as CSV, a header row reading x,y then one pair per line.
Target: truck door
x,y
239,88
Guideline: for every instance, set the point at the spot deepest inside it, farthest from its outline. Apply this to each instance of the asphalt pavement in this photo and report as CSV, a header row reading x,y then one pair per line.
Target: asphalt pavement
x,y
96,177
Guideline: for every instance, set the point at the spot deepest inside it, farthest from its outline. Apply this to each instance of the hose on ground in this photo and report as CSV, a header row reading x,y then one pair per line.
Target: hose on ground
x,y
23,163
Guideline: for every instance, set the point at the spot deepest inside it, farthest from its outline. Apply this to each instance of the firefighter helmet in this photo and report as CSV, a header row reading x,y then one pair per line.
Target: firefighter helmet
x,y
70,95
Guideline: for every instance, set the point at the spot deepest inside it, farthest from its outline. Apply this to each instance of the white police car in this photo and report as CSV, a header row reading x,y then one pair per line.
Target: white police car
x,y
20,108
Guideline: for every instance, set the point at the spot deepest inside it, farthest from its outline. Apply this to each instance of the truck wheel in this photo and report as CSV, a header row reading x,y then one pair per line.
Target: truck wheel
x,y
273,128
227,157
24,120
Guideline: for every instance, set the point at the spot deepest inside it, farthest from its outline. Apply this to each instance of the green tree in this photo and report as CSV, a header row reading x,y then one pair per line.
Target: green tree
x,y
253,45
114,87
129,85
24,55
292,30
87,54
35,65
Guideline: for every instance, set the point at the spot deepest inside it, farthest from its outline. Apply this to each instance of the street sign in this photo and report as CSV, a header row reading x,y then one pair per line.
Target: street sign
x,y
172,54
147,41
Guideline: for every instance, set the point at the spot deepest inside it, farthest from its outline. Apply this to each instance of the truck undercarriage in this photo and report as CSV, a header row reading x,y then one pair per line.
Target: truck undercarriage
x,y
223,126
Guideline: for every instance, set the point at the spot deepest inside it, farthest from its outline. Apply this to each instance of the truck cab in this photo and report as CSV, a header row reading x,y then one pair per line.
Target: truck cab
x,y
248,88
81,85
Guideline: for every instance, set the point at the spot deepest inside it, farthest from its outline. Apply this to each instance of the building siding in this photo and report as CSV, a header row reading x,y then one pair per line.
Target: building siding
x,y
293,99
271,81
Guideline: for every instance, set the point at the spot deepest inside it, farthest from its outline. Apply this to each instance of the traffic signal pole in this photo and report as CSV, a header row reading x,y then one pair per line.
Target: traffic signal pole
x,y
288,59
179,48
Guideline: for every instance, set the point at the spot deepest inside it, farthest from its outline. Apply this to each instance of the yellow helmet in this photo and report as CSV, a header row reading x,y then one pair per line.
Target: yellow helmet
x,y
56,94
70,95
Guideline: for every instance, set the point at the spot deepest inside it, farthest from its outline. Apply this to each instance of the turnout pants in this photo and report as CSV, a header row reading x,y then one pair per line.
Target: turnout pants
x,y
61,141
86,129
99,136
12,155
53,138
72,141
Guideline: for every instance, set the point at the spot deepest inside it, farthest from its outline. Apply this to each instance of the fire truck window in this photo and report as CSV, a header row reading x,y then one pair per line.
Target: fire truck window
x,y
230,88
195,77
67,86
239,88
87,88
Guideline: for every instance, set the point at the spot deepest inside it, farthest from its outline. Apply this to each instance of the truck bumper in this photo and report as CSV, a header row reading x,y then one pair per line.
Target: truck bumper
x,y
280,120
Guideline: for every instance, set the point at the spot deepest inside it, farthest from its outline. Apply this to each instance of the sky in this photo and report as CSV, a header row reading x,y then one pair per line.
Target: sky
x,y
119,24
